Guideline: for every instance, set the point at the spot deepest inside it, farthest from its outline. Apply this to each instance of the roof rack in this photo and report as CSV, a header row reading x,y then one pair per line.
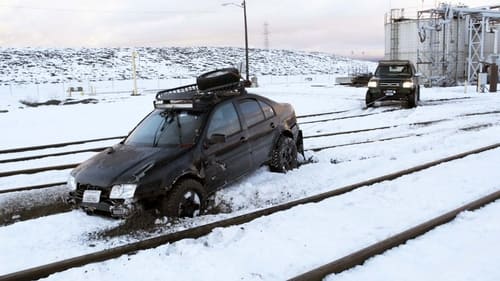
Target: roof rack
x,y
191,97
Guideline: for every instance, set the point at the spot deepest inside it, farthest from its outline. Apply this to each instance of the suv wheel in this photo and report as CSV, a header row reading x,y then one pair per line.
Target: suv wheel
x,y
284,155
218,77
369,99
187,199
413,99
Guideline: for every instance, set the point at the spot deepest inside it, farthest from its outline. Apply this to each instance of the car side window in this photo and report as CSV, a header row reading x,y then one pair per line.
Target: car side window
x,y
251,112
224,121
268,110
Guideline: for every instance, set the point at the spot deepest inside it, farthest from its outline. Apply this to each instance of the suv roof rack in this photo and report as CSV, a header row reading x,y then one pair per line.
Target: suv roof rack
x,y
385,62
191,97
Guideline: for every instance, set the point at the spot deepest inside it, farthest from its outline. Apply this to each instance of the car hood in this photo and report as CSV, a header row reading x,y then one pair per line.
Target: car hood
x,y
122,164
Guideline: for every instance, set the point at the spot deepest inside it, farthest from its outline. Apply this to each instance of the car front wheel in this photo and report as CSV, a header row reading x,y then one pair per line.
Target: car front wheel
x,y
284,155
187,199
369,99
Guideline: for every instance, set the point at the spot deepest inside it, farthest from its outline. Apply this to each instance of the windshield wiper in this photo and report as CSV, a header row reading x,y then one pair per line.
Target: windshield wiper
x,y
166,121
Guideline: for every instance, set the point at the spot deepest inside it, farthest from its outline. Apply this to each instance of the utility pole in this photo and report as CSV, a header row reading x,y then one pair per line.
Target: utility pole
x,y
244,6
134,73
246,38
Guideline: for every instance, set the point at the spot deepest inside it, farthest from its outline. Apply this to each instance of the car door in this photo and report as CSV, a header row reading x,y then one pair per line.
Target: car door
x,y
226,149
259,118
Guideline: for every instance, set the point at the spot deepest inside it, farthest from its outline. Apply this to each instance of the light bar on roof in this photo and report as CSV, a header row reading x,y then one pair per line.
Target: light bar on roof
x,y
159,104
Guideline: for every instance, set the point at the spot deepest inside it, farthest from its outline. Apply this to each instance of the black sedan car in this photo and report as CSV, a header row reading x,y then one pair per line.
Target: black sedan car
x,y
193,143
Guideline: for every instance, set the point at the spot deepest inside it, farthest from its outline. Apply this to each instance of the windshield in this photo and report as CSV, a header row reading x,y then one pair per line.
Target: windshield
x,y
392,70
166,128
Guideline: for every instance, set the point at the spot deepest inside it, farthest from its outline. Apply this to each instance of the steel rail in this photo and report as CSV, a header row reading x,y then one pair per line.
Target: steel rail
x,y
368,114
359,257
345,117
39,147
54,145
196,232
319,148
51,155
61,167
350,132
31,148
26,188
321,114
37,170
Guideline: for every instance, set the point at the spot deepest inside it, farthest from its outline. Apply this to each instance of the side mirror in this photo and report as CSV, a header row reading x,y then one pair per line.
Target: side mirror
x,y
217,138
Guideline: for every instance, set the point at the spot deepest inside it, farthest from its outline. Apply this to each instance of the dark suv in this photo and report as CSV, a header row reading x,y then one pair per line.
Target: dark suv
x,y
394,80
198,138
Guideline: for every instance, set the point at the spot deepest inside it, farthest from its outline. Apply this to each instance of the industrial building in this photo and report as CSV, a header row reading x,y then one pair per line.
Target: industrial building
x,y
448,44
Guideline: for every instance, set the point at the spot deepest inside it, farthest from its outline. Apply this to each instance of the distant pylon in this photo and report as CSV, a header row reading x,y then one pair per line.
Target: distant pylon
x,y
266,36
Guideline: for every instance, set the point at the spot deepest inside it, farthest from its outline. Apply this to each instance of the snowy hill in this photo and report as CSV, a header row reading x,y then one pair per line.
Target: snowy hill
x,y
37,65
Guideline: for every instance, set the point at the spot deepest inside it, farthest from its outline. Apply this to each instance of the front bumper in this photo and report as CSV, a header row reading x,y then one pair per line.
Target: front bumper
x,y
116,208
391,93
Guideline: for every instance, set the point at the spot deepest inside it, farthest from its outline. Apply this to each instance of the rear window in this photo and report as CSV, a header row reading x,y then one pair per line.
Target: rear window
x,y
268,110
251,111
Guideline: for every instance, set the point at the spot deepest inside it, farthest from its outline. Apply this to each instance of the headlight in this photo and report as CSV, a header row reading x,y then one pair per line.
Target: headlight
x,y
122,191
372,84
408,84
71,183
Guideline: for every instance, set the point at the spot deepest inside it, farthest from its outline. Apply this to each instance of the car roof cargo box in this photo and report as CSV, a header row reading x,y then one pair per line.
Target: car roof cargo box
x,y
211,88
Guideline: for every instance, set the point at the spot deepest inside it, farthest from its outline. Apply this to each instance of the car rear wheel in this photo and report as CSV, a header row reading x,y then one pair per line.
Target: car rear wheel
x,y
284,155
187,199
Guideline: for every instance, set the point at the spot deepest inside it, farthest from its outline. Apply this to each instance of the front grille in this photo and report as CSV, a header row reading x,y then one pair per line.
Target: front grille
x,y
389,84
82,187
78,194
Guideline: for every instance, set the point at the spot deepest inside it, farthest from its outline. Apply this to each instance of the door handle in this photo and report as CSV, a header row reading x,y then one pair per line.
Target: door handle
x,y
272,125
243,139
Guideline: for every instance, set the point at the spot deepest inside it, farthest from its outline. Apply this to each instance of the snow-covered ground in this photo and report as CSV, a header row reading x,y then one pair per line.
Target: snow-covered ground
x,y
288,243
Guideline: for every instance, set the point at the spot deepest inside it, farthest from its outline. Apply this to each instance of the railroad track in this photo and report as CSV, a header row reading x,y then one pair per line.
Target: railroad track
x,y
73,165
27,158
359,257
54,145
347,117
314,149
97,149
368,114
199,231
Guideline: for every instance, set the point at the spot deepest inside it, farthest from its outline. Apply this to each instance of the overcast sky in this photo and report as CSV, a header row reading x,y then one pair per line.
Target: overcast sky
x,y
347,27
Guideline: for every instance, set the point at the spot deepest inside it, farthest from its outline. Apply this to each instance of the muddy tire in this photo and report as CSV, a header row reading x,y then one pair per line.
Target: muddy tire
x,y
284,155
217,78
186,199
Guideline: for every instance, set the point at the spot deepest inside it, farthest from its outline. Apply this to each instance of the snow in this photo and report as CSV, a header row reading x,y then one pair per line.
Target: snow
x,y
469,243
288,243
